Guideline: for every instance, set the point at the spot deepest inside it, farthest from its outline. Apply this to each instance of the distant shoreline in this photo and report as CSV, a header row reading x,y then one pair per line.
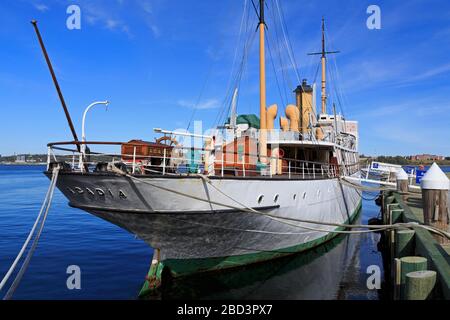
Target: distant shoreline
x,y
23,164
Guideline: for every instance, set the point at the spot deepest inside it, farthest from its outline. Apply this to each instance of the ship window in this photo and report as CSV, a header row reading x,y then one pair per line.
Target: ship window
x,y
304,195
275,199
294,196
260,199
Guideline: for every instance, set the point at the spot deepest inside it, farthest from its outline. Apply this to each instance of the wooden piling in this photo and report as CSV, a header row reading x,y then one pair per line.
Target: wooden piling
x,y
402,183
404,243
435,186
407,265
396,215
420,285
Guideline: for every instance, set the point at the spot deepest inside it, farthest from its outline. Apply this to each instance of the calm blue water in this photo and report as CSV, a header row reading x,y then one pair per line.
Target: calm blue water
x,y
114,264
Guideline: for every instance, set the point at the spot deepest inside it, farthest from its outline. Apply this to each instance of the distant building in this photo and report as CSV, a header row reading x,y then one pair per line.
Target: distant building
x,y
424,157
20,159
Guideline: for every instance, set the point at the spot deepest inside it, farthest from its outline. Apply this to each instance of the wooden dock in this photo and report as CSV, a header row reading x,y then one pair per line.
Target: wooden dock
x,y
417,265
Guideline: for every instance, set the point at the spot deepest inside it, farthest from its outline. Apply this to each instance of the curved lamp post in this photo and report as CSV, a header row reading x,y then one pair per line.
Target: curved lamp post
x,y
83,135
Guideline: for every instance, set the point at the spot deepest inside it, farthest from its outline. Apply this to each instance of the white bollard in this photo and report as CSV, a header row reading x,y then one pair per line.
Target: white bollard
x,y
435,186
402,182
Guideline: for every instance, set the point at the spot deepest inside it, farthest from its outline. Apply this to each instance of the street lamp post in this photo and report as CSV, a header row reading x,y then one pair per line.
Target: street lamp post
x,y
83,135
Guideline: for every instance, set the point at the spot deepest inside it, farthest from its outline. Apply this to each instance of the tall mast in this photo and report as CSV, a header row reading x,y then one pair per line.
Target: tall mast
x,y
323,54
324,74
262,86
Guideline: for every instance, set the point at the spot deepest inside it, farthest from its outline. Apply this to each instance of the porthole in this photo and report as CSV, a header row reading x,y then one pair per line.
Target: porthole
x,y
260,199
304,195
318,193
275,199
294,196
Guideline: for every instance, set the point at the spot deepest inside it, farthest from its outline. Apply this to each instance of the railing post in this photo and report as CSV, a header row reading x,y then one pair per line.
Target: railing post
x,y
303,170
80,162
134,158
48,157
314,171
222,163
73,160
243,165
164,161
270,167
289,169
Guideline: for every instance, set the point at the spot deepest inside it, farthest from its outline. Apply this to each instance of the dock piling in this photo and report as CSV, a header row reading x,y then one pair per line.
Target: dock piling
x,y
404,244
420,285
402,183
435,186
407,265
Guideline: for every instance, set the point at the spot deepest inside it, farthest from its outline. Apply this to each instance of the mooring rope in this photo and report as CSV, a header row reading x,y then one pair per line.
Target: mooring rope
x,y
244,208
44,209
363,187
380,188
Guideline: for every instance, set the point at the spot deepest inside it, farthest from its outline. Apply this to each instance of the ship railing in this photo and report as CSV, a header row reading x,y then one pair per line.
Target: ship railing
x,y
190,160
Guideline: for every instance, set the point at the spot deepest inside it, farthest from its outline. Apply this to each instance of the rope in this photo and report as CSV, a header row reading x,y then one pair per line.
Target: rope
x,y
363,187
45,206
244,208
287,40
381,188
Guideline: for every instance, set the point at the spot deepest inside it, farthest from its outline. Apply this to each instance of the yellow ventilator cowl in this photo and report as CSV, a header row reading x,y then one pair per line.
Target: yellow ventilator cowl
x,y
271,115
284,124
293,114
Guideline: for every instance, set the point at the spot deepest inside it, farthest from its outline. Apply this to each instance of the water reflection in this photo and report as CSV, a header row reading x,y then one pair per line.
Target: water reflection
x,y
335,270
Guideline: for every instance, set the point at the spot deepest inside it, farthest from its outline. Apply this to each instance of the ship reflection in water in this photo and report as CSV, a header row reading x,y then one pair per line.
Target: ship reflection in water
x,y
335,270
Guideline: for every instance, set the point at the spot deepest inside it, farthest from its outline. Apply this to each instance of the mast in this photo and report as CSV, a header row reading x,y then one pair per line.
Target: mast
x,y
262,87
324,75
323,54
55,81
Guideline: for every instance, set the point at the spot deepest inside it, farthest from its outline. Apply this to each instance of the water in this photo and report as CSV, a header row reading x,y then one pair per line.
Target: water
x,y
113,263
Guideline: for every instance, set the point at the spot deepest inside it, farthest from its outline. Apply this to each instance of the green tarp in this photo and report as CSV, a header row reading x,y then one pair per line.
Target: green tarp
x,y
251,119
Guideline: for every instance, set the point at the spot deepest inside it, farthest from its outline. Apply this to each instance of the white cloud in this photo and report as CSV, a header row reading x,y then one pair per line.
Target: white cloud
x,y
155,30
430,73
111,24
207,104
101,15
146,6
41,7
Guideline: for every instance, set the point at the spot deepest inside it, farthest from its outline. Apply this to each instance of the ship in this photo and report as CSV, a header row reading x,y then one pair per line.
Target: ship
x,y
248,193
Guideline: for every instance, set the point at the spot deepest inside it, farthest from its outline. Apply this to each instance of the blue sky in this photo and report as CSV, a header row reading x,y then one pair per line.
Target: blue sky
x,y
153,59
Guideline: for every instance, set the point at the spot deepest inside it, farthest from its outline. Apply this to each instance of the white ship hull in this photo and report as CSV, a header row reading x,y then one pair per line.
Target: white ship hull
x,y
186,228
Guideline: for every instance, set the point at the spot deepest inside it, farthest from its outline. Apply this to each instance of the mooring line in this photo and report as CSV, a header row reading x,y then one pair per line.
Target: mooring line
x,y
371,228
45,206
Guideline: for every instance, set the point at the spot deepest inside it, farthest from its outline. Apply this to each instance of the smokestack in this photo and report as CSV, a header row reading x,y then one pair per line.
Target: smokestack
x,y
304,102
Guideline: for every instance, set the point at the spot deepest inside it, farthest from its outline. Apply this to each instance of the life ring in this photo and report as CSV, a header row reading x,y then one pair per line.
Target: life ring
x,y
277,152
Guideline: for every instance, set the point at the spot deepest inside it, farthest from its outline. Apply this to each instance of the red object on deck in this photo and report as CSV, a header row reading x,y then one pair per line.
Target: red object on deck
x,y
334,162
144,150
